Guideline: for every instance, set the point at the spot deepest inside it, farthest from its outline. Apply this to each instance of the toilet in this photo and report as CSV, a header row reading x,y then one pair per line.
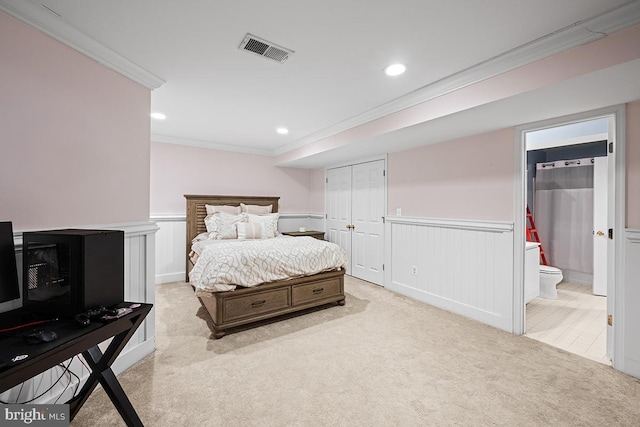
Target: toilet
x,y
549,278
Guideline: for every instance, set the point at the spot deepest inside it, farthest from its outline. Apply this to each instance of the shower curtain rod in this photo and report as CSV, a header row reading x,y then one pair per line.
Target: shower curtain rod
x,y
566,163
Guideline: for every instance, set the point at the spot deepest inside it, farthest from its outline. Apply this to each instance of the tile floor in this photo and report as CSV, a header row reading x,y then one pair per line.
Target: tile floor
x,y
575,322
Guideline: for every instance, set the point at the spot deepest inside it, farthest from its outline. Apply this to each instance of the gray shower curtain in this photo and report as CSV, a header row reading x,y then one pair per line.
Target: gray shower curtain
x,y
564,217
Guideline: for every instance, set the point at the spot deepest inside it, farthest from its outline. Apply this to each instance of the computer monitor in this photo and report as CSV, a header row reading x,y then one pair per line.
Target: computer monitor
x,y
9,286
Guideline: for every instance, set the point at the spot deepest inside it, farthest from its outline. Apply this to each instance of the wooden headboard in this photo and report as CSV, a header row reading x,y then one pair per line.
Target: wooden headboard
x,y
196,212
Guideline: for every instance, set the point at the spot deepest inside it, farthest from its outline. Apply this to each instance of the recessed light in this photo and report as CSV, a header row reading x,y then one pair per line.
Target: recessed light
x,y
282,131
395,69
158,116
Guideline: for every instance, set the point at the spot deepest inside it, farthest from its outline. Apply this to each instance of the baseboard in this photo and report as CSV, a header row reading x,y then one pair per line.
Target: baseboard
x,y
577,277
170,277
134,354
473,313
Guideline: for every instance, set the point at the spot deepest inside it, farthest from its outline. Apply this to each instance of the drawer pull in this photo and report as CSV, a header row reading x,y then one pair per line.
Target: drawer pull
x,y
258,303
318,291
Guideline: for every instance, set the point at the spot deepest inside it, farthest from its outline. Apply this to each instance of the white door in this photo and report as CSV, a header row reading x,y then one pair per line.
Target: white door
x,y
368,221
600,227
355,217
339,209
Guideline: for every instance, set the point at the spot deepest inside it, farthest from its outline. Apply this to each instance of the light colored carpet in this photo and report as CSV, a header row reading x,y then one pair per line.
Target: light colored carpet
x,y
381,360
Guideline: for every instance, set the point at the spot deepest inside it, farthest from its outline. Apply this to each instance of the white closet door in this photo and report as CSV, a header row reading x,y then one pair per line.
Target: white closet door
x,y
367,218
339,209
355,211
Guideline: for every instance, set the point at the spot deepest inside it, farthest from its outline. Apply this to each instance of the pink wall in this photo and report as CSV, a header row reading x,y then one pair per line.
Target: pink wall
x,y
177,170
468,178
473,177
633,165
316,197
75,136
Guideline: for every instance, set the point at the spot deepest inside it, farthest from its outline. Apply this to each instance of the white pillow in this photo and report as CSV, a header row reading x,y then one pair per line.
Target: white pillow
x,y
250,230
270,222
231,210
200,237
256,209
223,226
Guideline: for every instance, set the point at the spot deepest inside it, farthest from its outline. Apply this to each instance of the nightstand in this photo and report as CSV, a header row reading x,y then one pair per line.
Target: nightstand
x,y
311,233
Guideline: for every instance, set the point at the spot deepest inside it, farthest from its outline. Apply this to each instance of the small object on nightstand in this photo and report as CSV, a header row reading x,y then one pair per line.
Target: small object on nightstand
x,y
311,233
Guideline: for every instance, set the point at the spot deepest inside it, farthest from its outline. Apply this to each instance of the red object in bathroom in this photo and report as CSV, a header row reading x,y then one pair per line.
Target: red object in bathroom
x,y
532,235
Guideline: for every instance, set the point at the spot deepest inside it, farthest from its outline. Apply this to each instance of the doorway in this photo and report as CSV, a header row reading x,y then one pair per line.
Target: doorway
x,y
566,187
615,216
356,206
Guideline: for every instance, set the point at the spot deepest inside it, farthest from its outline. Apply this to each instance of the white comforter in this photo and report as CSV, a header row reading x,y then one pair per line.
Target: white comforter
x,y
223,264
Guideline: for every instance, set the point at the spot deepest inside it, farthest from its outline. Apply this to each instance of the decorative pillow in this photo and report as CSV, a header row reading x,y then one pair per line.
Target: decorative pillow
x,y
250,230
231,210
270,222
256,209
223,226
200,237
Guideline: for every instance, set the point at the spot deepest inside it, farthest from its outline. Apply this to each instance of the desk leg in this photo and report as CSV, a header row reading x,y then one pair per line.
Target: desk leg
x,y
117,395
100,365
103,374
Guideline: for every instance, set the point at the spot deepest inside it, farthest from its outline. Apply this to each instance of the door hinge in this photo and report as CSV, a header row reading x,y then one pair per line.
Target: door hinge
x,y
383,220
326,216
384,172
610,320
326,180
611,147
382,267
611,233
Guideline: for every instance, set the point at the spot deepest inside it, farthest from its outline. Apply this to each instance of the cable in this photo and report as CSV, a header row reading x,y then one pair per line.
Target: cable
x,y
70,373
47,390
67,371
19,392
81,359
24,325
64,371
78,383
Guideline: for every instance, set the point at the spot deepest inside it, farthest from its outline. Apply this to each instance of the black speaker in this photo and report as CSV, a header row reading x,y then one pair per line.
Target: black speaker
x,y
67,272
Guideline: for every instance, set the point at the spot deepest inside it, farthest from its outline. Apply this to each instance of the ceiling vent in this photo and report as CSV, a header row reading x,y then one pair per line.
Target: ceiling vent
x,y
265,48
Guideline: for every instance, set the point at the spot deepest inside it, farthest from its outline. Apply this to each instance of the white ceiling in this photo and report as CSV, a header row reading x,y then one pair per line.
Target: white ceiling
x,y
218,96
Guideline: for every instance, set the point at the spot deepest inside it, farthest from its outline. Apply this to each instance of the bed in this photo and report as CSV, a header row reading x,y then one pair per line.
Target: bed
x,y
251,305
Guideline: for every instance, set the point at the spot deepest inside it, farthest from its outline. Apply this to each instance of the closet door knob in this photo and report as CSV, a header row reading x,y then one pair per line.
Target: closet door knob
x,y
600,233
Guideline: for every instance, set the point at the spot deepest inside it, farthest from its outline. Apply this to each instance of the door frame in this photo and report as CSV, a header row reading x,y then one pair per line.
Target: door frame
x,y
617,222
386,204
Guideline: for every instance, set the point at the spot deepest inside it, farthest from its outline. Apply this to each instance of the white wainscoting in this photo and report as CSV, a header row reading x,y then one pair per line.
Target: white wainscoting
x,y
171,241
139,286
630,316
293,221
465,267
170,248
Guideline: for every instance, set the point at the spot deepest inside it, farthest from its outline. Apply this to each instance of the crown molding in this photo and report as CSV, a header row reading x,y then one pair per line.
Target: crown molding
x,y
573,35
46,22
209,144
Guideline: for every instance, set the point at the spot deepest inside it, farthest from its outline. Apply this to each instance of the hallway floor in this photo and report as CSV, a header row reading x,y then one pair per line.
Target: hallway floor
x,y
575,322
